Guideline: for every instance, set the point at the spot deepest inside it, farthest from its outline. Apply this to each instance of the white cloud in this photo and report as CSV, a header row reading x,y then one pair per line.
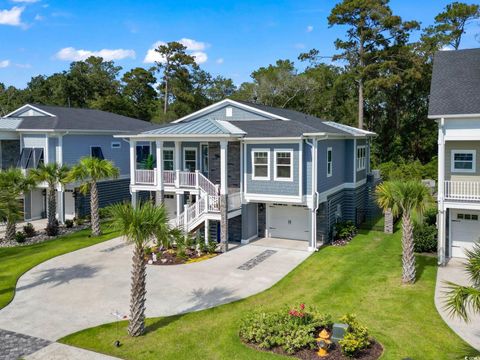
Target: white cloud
x,y
26,1
72,54
194,48
12,16
39,17
447,48
23,66
309,28
4,63
219,61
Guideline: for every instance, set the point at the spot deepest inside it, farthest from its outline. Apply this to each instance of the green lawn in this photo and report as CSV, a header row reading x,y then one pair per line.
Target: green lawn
x,y
14,262
363,277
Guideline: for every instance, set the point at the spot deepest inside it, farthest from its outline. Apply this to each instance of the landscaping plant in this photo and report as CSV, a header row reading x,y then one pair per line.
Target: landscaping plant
x,y
139,225
20,237
89,171
403,198
425,238
54,175
356,337
345,230
29,230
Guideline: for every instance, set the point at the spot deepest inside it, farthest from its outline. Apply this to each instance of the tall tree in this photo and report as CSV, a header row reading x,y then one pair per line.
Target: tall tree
x,y
370,25
89,171
450,24
403,198
174,64
54,175
138,87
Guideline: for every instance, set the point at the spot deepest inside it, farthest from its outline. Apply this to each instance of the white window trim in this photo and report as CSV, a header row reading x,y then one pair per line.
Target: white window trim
x,y
474,161
275,177
163,157
360,166
185,149
116,145
331,162
253,164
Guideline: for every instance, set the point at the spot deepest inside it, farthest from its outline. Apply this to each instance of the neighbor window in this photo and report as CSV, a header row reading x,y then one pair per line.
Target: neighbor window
x,y
463,161
261,165
190,159
96,152
361,157
283,165
329,162
116,145
167,159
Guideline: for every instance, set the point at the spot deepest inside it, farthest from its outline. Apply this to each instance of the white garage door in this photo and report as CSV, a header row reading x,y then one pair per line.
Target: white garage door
x,y
289,222
465,230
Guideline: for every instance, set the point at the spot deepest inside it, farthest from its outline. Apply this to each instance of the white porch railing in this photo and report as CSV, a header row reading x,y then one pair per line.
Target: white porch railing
x,y
462,190
169,177
187,178
145,177
234,201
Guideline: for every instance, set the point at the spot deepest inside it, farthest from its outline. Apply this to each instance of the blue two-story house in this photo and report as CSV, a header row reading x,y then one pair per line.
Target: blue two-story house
x,y
243,170
34,134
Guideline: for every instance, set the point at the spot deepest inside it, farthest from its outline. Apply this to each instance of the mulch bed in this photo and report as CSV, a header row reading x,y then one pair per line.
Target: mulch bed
x,y
371,353
169,257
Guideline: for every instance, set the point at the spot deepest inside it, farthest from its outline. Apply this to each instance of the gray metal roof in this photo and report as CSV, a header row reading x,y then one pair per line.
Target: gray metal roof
x,y
82,119
455,83
198,127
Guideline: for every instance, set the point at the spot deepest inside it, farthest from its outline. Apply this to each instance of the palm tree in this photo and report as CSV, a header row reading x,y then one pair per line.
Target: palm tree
x,y
404,198
53,174
139,225
13,183
88,172
462,298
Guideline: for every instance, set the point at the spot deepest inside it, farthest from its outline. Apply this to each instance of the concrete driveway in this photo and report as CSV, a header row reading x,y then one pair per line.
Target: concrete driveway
x,y
83,288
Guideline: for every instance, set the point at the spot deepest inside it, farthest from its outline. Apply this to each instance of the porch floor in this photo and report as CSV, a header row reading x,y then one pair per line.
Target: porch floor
x,y
288,244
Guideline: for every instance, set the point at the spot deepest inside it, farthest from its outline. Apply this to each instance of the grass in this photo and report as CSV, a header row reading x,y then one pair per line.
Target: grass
x,y
15,261
363,278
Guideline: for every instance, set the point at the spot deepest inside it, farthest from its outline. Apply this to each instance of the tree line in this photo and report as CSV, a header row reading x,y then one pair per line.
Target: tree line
x,y
378,79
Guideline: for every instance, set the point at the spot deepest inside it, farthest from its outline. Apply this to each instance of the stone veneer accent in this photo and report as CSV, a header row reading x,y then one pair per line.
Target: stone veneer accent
x,y
233,164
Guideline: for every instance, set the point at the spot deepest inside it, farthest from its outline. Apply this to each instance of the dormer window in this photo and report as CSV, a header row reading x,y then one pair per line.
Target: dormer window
x,y
228,112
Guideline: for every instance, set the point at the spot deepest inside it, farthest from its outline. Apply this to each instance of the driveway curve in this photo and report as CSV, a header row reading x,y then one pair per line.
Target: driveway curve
x,y
84,288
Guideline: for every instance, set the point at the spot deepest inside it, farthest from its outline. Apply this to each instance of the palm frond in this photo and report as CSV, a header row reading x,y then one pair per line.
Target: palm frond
x,y
461,299
473,264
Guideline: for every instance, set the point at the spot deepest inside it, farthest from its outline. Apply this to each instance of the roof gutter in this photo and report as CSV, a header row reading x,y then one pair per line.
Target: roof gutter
x,y
452,116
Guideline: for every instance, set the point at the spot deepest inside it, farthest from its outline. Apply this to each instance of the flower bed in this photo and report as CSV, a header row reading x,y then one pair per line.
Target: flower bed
x,y
344,233
294,332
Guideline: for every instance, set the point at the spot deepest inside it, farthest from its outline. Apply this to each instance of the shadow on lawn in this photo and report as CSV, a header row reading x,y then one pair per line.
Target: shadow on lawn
x,y
423,262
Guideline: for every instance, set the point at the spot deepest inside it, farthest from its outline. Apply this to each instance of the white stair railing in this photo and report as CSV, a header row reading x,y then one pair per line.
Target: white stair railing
x,y
206,185
188,219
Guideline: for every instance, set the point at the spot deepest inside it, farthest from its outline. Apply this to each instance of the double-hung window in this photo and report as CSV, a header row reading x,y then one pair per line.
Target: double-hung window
x,y
283,165
464,161
261,165
190,159
361,158
329,162
168,159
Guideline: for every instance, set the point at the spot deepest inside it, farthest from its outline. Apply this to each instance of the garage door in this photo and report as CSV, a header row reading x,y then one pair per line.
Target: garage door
x,y
465,230
289,222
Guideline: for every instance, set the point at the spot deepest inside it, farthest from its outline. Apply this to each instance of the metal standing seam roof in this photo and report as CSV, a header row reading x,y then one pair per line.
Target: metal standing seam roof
x,y
198,127
349,129
9,123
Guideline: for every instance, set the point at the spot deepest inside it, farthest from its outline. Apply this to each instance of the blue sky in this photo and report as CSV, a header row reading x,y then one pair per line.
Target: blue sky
x,y
228,37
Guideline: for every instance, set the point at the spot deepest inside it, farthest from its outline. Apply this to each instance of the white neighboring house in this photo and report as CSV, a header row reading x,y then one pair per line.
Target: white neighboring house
x,y
455,105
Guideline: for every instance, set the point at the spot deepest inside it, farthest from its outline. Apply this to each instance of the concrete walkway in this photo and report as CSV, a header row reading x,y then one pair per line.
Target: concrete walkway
x,y
39,224
84,288
455,272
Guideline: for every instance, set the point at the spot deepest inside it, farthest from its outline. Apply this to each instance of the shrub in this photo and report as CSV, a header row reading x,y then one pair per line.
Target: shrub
x,y
103,213
425,238
52,229
68,224
20,237
345,230
78,221
430,216
291,329
29,230
356,337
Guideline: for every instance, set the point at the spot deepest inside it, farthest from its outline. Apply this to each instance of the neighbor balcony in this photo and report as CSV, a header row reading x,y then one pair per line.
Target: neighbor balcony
x,y
462,190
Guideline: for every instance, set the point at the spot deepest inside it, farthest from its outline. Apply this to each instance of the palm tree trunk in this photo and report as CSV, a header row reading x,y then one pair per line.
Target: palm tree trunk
x,y
52,206
10,230
95,217
408,256
136,327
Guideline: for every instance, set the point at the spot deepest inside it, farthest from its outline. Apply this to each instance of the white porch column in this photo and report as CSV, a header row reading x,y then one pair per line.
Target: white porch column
x,y
133,160
159,172
441,221
179,198
134,199
224,195
177,161
61,205
207,230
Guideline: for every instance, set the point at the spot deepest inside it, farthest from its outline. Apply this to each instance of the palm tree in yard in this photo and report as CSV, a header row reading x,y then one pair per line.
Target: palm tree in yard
x,y
405,198
461,299
13,183
88,172
139,225
54,175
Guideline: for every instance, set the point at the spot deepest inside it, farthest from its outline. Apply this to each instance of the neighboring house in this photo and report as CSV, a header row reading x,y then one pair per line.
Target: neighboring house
x,y
37,133
455,105
244,170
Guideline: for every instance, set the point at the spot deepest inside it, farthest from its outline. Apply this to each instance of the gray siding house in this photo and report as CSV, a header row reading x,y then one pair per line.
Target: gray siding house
x,y
39,133
239,171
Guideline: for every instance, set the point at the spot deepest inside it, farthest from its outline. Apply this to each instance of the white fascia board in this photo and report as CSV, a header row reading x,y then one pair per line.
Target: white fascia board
x,y
231,102
452,116
86,131
31,107
452,204
277,140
